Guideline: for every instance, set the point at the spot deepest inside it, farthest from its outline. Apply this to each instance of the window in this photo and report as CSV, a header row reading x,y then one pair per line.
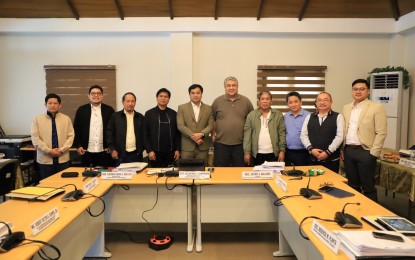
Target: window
x,y
280,80
72,83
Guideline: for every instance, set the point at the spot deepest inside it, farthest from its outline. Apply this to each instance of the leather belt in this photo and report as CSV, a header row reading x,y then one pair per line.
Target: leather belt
x,y
353,146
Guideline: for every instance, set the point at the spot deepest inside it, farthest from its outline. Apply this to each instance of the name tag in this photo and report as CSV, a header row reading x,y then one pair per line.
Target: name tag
x,y
90,185
258,175
328,238
281,183
194,175
116,175
44,221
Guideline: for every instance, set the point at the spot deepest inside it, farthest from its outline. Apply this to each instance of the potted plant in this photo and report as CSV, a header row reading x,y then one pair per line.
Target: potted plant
x,y
406,81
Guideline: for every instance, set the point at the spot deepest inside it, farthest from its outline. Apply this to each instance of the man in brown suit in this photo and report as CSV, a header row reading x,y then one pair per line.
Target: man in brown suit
x,y
364,135
195,122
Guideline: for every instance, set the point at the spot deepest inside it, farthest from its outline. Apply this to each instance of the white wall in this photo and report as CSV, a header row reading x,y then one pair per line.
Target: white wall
x,y
147,61
409,63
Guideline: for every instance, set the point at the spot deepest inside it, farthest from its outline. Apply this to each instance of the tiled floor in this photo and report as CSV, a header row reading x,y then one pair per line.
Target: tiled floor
x,y
222,245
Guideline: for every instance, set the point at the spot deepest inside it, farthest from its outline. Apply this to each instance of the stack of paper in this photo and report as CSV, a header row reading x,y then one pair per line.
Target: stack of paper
x,y
276,167
132,167
35,193
357,244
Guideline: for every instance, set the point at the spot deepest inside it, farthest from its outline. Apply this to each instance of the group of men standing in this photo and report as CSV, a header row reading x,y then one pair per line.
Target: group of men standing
x,y
241,135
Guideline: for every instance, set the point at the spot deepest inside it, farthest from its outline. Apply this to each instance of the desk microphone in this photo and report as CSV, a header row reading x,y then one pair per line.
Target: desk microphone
x,y
346,220
72,195
90,172
294,172
310,193
11,240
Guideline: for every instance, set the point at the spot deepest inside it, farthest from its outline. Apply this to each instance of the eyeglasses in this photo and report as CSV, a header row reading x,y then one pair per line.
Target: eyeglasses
x,y
324,184
95,93
323,100
359,89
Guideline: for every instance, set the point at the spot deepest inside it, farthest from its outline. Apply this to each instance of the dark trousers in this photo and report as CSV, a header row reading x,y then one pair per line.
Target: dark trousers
x,y
163,159
262,157
129,157
331,165
228,155
46,170
296,157
97,159
360,168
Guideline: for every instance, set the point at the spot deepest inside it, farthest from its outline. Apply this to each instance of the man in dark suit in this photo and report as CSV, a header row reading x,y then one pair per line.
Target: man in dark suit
x,y
195,122
90,123
365,132
125,132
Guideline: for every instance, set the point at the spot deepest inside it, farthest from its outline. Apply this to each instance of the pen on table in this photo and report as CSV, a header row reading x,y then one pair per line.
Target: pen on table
x,y
86,177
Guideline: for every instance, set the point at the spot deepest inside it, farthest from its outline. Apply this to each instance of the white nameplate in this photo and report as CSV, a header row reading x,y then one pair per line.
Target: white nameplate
x,y
328,238
407,162
281,183
258,175
194,175
91,185
44,221
116,175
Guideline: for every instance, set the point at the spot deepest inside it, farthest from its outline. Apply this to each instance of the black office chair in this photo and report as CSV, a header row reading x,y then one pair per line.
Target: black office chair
x,y
7,179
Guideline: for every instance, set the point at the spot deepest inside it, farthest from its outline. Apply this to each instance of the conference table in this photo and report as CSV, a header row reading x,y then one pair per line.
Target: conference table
x,y
295,209
224,198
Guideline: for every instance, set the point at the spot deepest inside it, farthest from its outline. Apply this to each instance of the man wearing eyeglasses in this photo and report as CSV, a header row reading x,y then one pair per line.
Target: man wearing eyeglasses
x,y
90,123
365,132
162,139
322,134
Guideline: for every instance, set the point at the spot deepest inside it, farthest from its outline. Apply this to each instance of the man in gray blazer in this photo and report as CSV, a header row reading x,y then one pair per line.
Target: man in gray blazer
x,y
195,122
364,135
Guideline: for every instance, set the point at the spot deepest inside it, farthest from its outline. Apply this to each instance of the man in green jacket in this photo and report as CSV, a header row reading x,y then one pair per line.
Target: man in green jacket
x,y
264,133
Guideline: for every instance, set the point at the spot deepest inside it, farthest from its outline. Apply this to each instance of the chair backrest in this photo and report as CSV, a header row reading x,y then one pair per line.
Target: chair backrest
x,y
7,178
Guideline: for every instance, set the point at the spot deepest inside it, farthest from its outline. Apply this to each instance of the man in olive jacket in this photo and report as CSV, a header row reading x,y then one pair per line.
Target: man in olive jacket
x,y
264,133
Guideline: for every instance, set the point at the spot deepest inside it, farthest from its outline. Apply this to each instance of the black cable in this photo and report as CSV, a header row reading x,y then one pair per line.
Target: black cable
x,y
40,252
128,234
304,219
148,210
266,186
167,187
89,208
278,202
124,186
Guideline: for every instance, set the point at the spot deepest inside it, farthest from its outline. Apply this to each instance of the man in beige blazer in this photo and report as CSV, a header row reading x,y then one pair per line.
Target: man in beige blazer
x,y
195,122
365,133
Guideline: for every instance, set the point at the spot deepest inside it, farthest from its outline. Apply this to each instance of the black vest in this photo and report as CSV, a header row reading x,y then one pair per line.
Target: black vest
x,y
322,136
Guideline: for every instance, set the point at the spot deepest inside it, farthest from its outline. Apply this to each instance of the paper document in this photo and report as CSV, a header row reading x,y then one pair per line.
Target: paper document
x,y
132,167
364,244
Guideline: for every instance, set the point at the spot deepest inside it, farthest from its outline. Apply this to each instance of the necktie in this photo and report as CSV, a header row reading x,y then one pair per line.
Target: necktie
x,y
55,143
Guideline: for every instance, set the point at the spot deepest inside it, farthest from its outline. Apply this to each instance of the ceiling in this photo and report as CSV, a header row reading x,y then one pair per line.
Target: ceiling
x,y
217,9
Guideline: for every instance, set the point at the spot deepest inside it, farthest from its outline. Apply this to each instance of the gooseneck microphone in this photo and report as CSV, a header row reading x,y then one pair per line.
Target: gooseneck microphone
x,y
346,220
344,207
294,172
310,193
11,240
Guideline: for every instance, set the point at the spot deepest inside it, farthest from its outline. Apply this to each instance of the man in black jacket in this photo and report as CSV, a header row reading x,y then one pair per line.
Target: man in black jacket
x,y
90,123
162,139
125,132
